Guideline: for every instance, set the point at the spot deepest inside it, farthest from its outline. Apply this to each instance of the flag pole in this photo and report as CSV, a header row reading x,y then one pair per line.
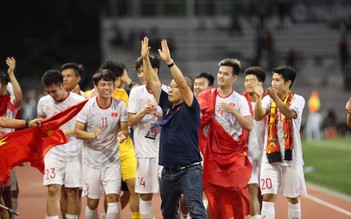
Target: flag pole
x,y
11,211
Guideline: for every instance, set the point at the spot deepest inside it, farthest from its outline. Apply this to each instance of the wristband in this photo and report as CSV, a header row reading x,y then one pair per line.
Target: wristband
x,y
27,123
171,65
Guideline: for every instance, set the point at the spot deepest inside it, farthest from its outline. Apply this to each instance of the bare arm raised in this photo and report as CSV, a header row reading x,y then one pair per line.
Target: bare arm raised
x,y
17,91
184,89
259,112
152,80
348,108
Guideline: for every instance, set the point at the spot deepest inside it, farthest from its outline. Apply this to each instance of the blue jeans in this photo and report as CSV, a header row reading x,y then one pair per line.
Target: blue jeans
x,y
187,182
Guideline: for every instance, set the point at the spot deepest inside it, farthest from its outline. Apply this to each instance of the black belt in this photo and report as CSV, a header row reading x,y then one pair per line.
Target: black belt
x,y
174,169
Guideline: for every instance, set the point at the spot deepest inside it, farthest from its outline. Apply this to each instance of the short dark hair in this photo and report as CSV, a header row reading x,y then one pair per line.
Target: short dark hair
x,y
208,76
4,78
287,72
154,60
103,74
116,68
258,71
78,69
52,76
234,63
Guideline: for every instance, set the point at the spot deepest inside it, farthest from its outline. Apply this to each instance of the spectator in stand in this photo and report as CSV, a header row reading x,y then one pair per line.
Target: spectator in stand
x,y
329,124
344,56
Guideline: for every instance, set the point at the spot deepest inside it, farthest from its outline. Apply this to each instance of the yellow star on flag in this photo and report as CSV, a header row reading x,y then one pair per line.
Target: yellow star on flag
x,y
2,141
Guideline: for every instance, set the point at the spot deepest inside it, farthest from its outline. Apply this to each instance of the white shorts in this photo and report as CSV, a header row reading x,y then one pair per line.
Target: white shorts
x,y
287,180
107,177
255,174
60,172
13,180
147,176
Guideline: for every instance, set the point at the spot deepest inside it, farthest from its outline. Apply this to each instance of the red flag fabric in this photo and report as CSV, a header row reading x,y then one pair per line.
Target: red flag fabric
x,y
54,138
55,121
27,145
5,103
31,145
227,169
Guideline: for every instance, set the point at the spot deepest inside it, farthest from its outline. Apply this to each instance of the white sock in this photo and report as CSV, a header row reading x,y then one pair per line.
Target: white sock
x,y
91,214
294,211
145,209
205,202
112,210
52,217
268,211
256,217
71,216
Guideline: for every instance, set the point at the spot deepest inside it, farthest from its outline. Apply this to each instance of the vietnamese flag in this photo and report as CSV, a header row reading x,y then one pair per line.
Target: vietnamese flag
x,y
55,121
32,144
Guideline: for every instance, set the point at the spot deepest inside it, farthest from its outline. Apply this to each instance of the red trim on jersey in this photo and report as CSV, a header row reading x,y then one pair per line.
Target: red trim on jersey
x,y
60,101
101,106
225,96
148,90
5,101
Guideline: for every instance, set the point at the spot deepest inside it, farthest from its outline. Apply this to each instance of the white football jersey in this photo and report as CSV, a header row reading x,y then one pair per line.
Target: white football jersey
x,y
259,127
255,141
297,104
147,131
104,150
47,107
227,120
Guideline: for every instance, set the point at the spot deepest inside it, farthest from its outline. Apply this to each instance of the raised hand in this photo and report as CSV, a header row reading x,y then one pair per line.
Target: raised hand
x,y
258,89
145,49
348,105
11,63
165,53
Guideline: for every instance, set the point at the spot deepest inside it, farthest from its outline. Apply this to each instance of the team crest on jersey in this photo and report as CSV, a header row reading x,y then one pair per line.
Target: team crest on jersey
x,y
114,114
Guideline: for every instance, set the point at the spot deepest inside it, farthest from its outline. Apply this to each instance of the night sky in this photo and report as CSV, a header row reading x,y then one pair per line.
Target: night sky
x,y
42,35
